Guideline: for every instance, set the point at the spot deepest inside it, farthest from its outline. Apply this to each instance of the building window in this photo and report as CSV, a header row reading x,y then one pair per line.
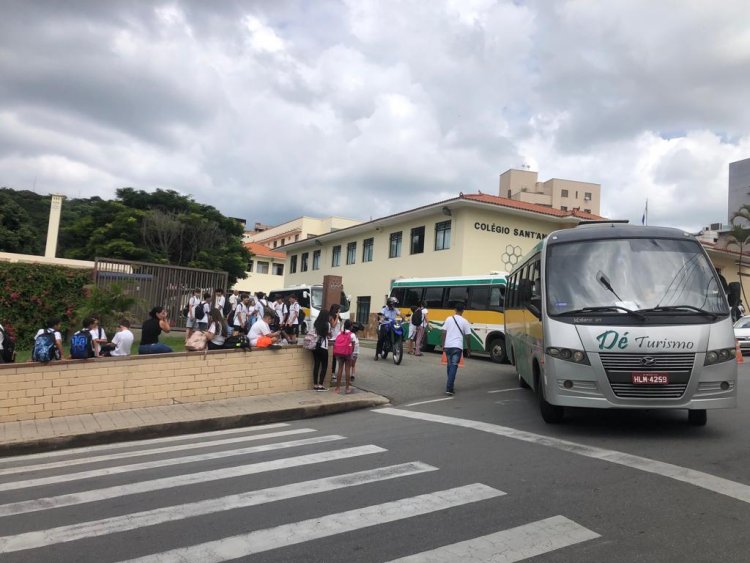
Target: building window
x,y
278,269
363,310
367,249
564,207
351,252
303,262
262,268
587,210
293,265
275,243
336,256
564,193
417,240
250,266
587,196
316,260
296,238
443,235
395,248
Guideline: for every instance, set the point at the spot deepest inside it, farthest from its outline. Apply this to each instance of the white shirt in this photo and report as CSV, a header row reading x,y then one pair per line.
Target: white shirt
x,y
98,333
356,345
193,303
123,340
425,322
335,328
322,338
259,309
240,314
293,314
279,308
259,328
219,304
233,300
218,333
43,330
455,331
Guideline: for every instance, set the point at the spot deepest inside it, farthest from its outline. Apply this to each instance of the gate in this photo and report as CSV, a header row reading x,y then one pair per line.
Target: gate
x,y
157,284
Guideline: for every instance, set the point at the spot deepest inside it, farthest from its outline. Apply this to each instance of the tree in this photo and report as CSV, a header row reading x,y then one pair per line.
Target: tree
x,y
17,231
739,235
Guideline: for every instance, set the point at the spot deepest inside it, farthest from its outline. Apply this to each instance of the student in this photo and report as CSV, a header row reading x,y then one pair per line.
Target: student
x,y
356,327
219,300
202,323
322,330
192,304
82,342
122,341
241,315
217,330
278,306
292,319
150,331
335,319
98,336
260,335
48,342
455,341
343,348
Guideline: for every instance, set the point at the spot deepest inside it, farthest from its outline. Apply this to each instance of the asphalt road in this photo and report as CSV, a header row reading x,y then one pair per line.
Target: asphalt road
x,y
475,477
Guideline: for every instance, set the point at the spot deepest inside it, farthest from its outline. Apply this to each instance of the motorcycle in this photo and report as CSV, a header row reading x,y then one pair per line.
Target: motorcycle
x,y
394,341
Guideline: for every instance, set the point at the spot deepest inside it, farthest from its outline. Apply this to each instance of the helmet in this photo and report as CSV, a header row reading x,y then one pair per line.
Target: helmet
x,y
392,301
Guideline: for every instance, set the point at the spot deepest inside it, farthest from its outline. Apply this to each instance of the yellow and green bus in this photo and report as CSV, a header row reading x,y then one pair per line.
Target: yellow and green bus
x,y
483,297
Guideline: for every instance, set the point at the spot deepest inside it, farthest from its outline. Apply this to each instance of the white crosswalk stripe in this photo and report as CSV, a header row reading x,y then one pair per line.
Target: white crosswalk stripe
x,y
507,546
143,453
105,471
98,528
325,526
135,443
182,480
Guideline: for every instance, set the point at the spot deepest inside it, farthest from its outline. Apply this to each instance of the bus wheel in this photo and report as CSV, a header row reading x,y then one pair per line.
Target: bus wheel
x,y
496,349
551,414
697,417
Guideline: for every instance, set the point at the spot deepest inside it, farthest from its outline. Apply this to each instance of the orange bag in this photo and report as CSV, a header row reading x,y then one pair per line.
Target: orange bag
x,y
263,342
444,360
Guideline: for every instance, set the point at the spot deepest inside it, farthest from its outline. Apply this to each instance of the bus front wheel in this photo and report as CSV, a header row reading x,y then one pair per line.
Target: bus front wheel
x,y
496,349
551,414
697,417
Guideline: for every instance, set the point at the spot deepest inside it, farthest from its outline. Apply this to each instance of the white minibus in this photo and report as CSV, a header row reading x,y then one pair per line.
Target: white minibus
x,y
310,299
612,315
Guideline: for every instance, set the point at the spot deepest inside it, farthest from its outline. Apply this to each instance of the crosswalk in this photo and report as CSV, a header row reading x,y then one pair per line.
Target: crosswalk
x,y
117,500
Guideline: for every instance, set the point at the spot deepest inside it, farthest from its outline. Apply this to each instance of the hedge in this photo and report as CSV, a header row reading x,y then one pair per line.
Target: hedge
x,y
32,293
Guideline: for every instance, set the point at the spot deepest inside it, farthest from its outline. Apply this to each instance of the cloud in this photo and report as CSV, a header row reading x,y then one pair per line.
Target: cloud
x,y
364,108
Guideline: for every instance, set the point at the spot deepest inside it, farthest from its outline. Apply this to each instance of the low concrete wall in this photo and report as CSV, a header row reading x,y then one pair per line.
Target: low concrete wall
x,y
71,387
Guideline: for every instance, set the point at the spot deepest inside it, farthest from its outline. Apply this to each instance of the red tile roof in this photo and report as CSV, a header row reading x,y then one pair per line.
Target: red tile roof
x,y
512,203
257,249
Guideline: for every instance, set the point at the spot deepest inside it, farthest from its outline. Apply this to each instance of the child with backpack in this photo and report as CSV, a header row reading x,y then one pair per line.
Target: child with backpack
x,y
7,347
48,342
343,349
356,327
82,342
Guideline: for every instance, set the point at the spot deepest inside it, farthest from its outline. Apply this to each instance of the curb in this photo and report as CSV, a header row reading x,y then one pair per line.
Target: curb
x,y
186,427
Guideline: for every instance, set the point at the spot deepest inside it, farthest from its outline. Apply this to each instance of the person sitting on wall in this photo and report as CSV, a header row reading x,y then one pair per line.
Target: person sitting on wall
x,y
260,335
150,331
122,341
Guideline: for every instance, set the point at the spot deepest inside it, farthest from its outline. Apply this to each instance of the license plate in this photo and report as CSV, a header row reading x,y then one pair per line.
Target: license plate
x,y
649,378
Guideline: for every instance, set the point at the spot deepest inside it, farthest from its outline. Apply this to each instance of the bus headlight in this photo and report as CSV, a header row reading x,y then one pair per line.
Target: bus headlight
x,y
719,356
575,356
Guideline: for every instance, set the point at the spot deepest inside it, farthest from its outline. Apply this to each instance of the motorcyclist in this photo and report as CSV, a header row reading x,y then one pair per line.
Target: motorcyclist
x,y
386,315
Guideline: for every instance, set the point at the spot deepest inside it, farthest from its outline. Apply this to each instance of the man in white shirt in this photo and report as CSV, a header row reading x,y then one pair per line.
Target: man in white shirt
x,y
241,314
219,300
192,304
261,328
123,340
292,319
455,341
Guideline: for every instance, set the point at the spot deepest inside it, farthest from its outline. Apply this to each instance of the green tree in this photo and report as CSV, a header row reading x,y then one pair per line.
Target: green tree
x,y
17,231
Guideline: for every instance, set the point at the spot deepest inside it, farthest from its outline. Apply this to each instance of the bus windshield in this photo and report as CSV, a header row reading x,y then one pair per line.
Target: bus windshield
x,y
317,299
637,274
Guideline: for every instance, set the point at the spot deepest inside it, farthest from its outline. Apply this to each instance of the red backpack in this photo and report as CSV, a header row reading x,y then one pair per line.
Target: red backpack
x,y
343,345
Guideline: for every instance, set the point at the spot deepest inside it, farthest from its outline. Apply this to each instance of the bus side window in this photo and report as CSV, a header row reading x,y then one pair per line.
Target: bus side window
x,y
433,297
412,296
479,298
455,295
398,293
496,298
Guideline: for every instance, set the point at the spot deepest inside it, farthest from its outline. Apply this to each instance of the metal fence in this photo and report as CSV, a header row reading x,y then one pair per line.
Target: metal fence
x,y
157,284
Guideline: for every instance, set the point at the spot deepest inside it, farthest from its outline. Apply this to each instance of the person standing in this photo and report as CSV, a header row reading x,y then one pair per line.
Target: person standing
x,y
219,300
385,317
151,329
320,355
192,304
455,341
335,319
292,320
241,315
421,313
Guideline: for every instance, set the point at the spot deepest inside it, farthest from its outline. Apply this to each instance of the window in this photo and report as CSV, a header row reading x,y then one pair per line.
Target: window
x,y
412,297
316,260
303,262
278,269
587,196
351,253
367,249
497,298
564,193
336,256
262,268
394,250
293,265
443,235
455,295
296,238
479,296
564,207
417,240
250,266
275,243
363,310
433,297
587,210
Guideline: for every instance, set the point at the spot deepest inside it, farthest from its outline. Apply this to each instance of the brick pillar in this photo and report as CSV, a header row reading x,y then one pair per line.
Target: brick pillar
x,y
332,288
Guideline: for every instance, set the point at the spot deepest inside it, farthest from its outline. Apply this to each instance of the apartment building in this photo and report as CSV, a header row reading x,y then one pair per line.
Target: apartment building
x,y
565,195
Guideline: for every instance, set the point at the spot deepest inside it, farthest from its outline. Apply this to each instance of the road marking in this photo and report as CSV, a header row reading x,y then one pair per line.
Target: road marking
x,y
143,453
15,485
116,524
706,481
117,491
505,390
325,526
135,443
431,401
507,546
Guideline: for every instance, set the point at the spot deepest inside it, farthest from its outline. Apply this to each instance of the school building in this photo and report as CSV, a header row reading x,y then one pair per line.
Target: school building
x,y
466,235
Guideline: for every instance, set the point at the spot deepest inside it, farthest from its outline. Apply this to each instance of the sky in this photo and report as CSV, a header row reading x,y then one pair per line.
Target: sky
x,y
269,110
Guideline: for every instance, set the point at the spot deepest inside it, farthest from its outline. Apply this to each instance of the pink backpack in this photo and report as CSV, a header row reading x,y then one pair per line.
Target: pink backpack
x,y
343,345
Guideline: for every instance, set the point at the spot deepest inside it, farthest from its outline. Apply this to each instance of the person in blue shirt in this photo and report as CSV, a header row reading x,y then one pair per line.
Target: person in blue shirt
x,y
385,316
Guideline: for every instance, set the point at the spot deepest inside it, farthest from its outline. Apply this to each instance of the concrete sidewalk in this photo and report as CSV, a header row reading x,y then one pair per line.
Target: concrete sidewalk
x,y
31,436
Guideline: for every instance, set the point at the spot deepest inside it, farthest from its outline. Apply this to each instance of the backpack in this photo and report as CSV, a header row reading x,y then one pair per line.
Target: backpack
x,y
44,347
80,345
311,341
197,341
227,307
416,317
186,310
343,345
237,342
200,311
9,347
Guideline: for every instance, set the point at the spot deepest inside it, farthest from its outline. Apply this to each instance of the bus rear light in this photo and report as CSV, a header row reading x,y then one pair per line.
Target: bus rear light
x,y
575,356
